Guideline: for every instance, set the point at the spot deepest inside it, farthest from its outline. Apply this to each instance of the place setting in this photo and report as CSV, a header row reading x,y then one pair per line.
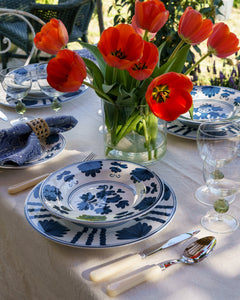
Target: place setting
x,y
100,204
210,103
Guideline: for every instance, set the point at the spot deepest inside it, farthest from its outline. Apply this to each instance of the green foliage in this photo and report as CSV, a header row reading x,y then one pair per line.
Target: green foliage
x,y
236,3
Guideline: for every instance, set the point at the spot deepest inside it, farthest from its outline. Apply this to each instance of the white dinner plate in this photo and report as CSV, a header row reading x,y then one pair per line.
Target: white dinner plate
x,y
50,148
73,234
212,103
101,193
36,98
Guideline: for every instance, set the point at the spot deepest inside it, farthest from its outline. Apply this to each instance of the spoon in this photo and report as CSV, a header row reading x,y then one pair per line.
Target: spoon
x,y
195,252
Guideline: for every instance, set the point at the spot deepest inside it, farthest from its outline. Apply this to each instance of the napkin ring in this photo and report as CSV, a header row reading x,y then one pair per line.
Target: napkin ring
x,y
40,127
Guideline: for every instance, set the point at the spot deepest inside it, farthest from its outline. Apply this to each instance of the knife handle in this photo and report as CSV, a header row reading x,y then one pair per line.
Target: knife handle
x,y
16,188
121,286
114,268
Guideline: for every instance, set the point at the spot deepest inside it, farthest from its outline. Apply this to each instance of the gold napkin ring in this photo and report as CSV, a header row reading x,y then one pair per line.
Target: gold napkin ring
x,y
40,127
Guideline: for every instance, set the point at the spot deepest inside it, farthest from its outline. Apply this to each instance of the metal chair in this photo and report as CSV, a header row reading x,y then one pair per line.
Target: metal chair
x,y
75,14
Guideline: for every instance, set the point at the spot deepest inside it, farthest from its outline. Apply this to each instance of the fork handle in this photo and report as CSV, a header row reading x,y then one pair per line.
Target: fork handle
x,y
114,268
21,186
121,286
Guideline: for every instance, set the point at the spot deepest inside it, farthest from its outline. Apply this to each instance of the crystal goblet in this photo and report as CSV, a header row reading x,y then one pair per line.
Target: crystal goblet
x,y
17,82
218,143
41,72
223,182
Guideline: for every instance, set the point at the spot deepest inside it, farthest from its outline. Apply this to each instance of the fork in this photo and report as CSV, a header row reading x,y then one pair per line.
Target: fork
x,y
21,186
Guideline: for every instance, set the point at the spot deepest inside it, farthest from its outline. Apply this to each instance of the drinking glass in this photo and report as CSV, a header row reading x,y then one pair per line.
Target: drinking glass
x,y
218,143
17,82
223,181
41,71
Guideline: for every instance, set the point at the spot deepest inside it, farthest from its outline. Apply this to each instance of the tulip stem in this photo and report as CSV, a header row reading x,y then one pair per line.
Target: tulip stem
x,y
197,63
99,92
180,44
145,36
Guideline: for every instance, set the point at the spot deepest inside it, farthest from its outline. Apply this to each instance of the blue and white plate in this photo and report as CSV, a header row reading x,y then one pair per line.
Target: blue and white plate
x,y
36,98
212,103
179,129
73,234
51,147
101,193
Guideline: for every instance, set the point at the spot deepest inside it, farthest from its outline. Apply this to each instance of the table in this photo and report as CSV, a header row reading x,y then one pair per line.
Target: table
x,y
33,267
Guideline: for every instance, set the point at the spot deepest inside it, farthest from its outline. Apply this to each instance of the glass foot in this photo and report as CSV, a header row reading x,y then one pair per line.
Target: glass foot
x,y
219,223
204,196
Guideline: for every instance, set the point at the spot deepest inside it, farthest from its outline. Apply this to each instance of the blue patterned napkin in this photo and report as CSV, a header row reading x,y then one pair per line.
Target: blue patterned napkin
x,y
20,144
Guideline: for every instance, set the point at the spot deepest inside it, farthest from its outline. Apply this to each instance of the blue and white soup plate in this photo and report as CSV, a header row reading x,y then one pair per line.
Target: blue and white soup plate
x,y
101,193
212,103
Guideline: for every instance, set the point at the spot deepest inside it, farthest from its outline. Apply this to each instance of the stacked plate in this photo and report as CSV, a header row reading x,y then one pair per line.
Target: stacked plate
x,y
210,103
101,203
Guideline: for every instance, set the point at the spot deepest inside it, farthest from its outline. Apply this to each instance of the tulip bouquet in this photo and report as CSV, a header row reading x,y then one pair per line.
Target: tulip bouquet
x,y
135,89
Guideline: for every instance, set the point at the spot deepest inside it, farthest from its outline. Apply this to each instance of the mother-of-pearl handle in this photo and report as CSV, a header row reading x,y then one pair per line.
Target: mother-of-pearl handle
x,y
149,274
21,186
114,268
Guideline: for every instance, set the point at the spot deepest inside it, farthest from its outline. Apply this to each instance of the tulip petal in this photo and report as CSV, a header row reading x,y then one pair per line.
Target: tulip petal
x,y
66,71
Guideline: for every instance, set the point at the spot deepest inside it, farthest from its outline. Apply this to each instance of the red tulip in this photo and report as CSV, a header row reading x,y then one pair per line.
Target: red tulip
x,y
222,42
66,71
150,15
145,66
120,46
168,95
52,37
192,28
140,31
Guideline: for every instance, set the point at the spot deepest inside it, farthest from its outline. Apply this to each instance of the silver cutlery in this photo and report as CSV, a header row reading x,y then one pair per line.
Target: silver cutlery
x,y
21,186
3,116
194,253
107,271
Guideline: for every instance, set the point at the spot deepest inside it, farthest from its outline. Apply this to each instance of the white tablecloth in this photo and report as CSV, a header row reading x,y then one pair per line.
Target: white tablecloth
x,y
33,267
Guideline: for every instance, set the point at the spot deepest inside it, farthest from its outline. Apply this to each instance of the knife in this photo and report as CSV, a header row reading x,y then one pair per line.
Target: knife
x,y
3,116
120,265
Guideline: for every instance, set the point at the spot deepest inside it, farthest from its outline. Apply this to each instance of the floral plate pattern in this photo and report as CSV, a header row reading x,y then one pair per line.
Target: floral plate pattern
x,y
51,147
101,193
36,98
212,103
73,234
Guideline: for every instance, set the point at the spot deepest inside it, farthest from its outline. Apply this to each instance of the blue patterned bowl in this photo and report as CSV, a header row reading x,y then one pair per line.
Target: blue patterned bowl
x,y
212,103
101,193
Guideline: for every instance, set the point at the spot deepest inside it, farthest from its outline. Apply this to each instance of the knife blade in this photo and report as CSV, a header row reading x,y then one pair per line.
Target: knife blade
x,y
3,116
109,270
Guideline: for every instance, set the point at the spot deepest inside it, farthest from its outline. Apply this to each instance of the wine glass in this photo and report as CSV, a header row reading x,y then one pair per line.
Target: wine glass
x,y
218,143
41,72
223,181
17,82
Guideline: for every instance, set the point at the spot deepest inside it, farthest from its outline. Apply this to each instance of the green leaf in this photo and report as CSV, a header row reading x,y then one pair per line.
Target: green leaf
x,y
191,111
107,88
160,48
97,54
95,72
174,65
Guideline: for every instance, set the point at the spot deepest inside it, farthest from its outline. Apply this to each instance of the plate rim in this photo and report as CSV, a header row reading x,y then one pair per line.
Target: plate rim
x,y
99,246
95,223
181,127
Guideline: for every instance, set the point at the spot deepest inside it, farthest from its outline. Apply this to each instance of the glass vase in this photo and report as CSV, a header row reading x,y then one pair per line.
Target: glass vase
x,y
133,133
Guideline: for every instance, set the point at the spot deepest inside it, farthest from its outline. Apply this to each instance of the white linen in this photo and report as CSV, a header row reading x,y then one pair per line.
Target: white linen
x,y
33,267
